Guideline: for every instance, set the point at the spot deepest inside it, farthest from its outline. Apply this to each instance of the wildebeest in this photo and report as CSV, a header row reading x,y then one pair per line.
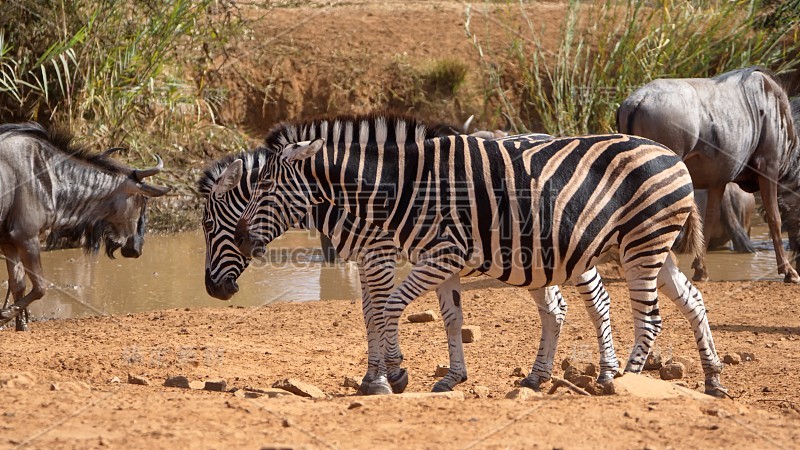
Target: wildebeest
x,y
735,213
50,184
736,127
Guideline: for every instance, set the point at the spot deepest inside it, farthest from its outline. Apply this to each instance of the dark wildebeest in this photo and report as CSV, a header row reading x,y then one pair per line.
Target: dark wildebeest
x,y
48,184
736,127
733,223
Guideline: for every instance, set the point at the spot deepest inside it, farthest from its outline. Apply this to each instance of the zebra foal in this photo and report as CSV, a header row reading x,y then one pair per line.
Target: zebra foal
x,y
228,184
530,214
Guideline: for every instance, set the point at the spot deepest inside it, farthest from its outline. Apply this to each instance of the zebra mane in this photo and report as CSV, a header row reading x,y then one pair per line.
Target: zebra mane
x,y
212,173
353,128
63,141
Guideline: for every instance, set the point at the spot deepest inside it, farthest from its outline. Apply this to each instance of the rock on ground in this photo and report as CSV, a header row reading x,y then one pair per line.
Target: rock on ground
x,y
523,393
299,388
352,382
441,370
654,360
425,316
672,371
136,379
732,358
480,391
178,381
216,385
645,387
470,333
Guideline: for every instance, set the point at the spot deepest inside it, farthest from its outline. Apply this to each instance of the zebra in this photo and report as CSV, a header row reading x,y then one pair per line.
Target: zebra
x,y
228,184
527,213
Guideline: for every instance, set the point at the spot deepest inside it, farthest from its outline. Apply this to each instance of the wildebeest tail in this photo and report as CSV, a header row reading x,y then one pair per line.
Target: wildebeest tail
x,y
692,242
733,227
626,113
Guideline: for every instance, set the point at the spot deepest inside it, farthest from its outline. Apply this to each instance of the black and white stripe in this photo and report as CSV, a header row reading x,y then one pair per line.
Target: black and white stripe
x,y
360,241
528,213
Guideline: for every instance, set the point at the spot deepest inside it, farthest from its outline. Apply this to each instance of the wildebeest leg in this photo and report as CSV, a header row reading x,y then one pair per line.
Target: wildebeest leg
x,y
16,281
769,196
690,302
710,221
29,255
552,310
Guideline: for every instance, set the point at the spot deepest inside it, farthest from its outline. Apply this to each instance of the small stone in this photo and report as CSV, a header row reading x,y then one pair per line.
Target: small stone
x,y
769,345
299,388
480,391
352,382
766,389
518,372
523,393
747,356
215,385
239,393
179,381
425,316
355,405
573,374
135,379
477,295
54,387
567,362
197,385
654,360
688,363
590,370
114,380
672,371
250,394
286,423
731,358
470,333
441,370
584,381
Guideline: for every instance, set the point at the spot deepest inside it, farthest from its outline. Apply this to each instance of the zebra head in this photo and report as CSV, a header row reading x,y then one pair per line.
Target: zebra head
x,y
226,190
281,199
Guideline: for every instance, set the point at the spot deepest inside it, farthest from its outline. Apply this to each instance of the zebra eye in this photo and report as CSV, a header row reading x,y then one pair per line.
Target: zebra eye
x,y
208,224
266,185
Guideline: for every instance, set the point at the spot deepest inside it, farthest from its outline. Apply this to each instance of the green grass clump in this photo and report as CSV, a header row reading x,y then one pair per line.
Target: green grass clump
x,y
608,49
445,76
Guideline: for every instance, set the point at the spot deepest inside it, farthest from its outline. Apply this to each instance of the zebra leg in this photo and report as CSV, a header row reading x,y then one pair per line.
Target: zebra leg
x,y
674,284
552,310
597,302
438,265
646,315
449,294
377,272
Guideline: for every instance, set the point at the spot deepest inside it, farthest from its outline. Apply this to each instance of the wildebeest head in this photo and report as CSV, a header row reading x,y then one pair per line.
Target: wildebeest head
x,y
125,221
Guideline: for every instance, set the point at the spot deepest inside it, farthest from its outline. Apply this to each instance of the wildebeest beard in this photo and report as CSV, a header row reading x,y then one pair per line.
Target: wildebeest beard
x,y
87,236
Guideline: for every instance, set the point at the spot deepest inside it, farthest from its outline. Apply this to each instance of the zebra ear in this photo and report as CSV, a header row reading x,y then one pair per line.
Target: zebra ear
x,y
302,150
229,178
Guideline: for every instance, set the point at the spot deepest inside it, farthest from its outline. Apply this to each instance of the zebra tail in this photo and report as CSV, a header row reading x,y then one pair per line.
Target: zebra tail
x,y
693,241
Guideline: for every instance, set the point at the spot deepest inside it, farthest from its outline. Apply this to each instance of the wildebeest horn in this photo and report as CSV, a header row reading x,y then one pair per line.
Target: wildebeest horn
x,y
140,175
110,151
468,123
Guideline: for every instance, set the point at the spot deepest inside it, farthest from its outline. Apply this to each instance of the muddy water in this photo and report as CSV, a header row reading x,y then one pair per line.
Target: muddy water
x,y
170,275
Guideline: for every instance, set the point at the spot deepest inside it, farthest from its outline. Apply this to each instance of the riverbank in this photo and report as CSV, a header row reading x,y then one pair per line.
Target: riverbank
x,y
65,382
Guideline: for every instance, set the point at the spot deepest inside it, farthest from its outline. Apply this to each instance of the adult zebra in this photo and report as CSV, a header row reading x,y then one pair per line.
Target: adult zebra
x,y
527,213
227,185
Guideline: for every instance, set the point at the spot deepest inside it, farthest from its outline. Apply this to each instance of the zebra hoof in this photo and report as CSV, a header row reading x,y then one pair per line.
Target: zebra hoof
x,y
534,383
441,386
379,386
399,382
364,386
715,389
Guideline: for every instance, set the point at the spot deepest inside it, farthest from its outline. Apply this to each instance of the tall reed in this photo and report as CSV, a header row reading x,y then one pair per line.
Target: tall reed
x,y
607,49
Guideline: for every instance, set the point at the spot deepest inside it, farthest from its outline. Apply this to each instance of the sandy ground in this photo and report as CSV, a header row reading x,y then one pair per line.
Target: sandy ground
x,y
59,391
